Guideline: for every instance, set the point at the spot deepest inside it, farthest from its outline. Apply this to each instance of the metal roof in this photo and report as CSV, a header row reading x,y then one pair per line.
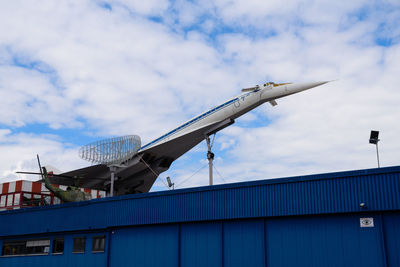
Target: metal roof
x,y
340,192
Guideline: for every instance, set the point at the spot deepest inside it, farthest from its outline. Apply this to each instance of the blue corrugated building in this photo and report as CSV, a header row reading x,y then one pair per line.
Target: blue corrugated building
x,y
334,219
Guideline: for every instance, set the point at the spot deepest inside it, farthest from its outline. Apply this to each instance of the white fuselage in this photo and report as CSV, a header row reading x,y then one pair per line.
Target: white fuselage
x,y
232,109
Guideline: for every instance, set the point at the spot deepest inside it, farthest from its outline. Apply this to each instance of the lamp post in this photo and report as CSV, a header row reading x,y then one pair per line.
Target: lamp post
x,y
373,139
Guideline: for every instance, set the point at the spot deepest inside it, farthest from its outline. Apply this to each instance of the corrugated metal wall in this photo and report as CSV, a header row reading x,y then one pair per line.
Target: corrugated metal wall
x,y
201,246
324,241
342,192
67,259
309,241
302,241
392,238
301,221
145,246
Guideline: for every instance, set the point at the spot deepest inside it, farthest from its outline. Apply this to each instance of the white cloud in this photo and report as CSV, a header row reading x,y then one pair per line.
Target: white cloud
x,y
150,7
27,96
113,67
109,68
19,154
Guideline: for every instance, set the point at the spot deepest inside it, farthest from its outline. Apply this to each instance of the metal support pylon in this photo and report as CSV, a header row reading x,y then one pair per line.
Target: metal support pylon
x,y
210,157
112,170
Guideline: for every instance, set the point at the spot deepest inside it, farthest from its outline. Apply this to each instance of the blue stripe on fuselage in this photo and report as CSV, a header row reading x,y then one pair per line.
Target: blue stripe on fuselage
x,y
196,119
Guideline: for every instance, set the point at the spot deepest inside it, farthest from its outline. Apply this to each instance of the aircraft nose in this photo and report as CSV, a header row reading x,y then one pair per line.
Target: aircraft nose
x,y
298,87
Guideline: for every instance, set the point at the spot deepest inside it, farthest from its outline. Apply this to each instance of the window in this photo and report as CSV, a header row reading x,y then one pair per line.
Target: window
x,y
26,199
13,248
16,199
38,246
56,200
3,201
36,200
47,200
9,200
98,243
26,247
79,245
58,246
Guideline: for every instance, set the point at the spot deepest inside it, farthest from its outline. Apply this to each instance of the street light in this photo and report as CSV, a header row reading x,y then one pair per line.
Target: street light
x,y
373,139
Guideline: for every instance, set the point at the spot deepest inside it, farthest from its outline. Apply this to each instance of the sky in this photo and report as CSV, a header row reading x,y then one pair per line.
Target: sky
x,y
75,72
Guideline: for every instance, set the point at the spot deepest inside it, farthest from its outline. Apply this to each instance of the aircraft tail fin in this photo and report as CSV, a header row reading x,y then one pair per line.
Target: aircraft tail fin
x,y
52,169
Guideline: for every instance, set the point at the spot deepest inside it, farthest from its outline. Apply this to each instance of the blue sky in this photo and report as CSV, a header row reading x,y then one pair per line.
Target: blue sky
x,y
76,72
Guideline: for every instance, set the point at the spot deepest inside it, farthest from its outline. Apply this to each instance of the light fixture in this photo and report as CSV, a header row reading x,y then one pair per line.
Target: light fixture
x,y
373,139
170,184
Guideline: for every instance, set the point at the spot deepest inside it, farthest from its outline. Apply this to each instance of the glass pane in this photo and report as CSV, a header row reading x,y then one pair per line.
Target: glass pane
x,y
38,243
3,201
98,243
16,199
79,244
26,247
36,200
58,245
26,199
56,200
47,200
9,200
13,248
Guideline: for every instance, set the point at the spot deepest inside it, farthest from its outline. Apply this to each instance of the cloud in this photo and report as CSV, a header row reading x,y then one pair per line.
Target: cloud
x,y
19,154
115,64
151,7
31,99
83,71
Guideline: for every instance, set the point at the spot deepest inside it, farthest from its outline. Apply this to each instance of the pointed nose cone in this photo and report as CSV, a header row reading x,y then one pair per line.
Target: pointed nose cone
x,y
298,87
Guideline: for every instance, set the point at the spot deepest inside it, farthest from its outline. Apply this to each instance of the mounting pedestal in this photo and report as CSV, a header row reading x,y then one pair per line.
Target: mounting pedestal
x,y
112,170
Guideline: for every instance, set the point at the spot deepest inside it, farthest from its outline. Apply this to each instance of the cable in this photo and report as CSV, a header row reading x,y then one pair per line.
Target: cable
x,y
177,186
212,142
219,174
191,175
157,175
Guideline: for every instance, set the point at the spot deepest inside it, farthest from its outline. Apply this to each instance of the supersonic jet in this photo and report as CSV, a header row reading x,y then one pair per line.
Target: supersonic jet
x,y
140,172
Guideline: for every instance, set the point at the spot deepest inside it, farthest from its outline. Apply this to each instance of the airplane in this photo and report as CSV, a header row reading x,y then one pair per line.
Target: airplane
x,y
139,172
